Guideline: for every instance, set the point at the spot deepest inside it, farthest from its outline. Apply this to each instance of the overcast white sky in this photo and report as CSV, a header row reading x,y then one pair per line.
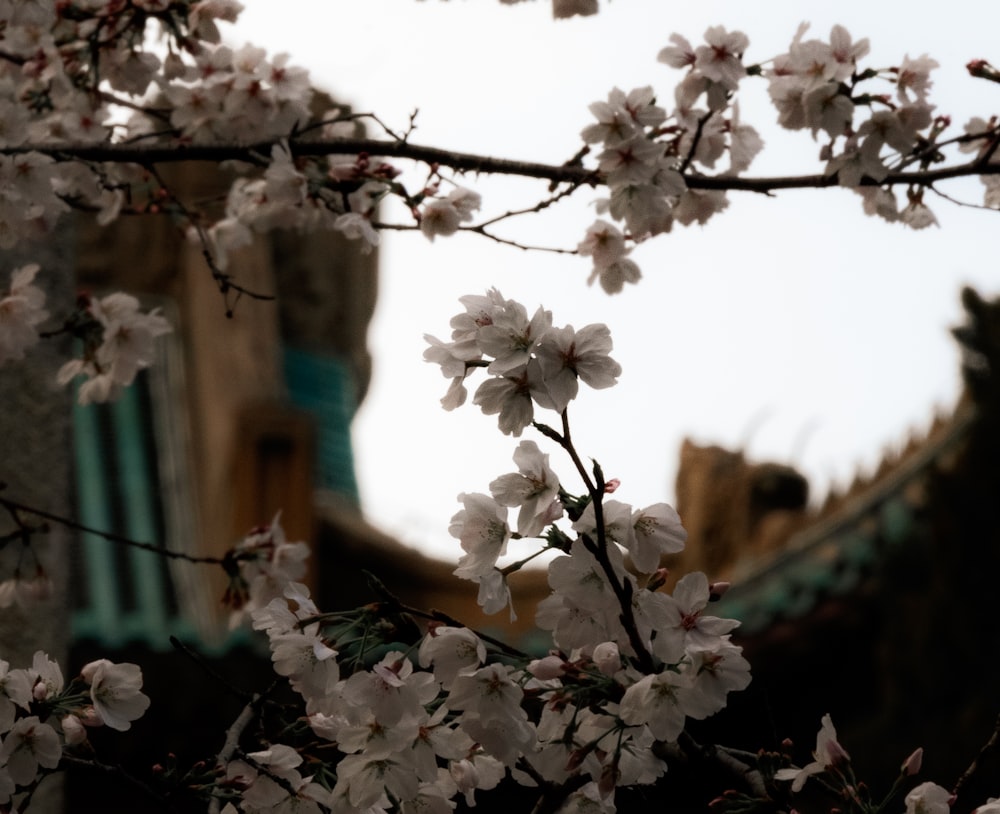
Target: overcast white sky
x,y
794,326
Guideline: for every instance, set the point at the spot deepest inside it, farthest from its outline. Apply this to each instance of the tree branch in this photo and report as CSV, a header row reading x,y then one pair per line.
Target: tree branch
x,y
462,162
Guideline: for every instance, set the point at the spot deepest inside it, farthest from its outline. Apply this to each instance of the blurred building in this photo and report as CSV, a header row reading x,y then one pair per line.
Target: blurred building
x,y
878,607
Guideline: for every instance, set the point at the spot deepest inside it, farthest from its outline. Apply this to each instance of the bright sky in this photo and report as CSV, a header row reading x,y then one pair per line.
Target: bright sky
x,y
794,326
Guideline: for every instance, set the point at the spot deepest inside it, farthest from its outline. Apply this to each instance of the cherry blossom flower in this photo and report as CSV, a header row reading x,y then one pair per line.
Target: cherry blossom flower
x,y
363,780
566,355
574,626
916,214
658,531
442,216
267,564
505,738
618,524
614,276
21,309
929,798
623,117
356,226
127,346
15,691
28,745
744,143
304,657
656,701
827,755
452,651
533,488
480,771
685,612
482,530
721,59
489,692
715,673
913,76
454,357
604,242
679,55
509,397
271,782
439,217
115,692
392,690
511,337
697,206
581,579
465,201
45,676
480,311
128,335
494,593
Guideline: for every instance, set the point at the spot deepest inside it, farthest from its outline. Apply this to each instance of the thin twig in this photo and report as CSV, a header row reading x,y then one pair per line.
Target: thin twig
x,y
15,506
968,774
232,742
120,773
196,657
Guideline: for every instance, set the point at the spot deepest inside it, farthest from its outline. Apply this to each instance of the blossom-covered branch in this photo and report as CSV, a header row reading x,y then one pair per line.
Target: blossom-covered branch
x,y
71,69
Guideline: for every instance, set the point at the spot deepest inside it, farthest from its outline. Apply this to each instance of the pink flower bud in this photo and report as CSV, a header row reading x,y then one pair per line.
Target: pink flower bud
x,y
576,758
912,764
88,717
658,579
717,590
609,779
73,730
547,668
611,485
607,658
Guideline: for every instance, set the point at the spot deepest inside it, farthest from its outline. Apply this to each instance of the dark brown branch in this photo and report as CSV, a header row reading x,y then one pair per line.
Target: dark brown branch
x,y
969,773
463,162
14,506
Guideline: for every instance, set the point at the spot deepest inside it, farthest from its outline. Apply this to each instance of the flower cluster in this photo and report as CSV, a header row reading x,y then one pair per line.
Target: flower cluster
x,y
646,151
117,337
41,717
260,566
405,716
400,710
118,342
79,75
835,779
532,362
651,159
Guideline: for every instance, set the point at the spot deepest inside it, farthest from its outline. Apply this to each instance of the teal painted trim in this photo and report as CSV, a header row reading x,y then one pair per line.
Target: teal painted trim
x,y
897,521
102,617
324,387
139,510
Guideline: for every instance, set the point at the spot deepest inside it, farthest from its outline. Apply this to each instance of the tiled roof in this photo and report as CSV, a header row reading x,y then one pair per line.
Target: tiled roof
x,y
834,555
